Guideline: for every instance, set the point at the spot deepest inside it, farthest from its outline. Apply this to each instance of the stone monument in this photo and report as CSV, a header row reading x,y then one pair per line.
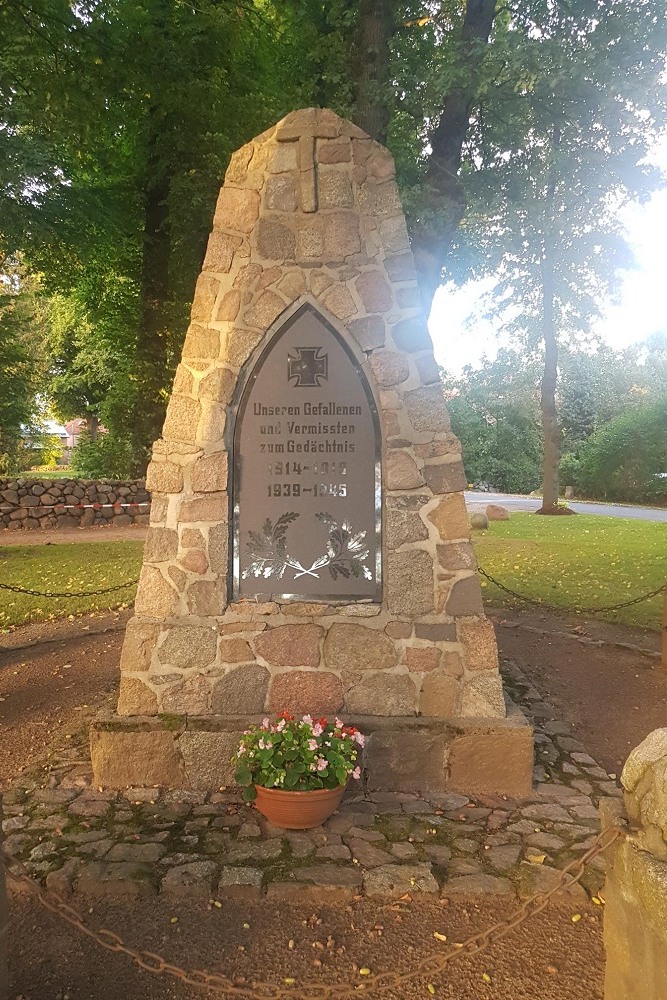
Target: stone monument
x,y
309,546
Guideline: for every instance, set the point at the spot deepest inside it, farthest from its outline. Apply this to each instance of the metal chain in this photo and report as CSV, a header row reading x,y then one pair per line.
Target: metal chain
x,y
592,611
68,593
430,966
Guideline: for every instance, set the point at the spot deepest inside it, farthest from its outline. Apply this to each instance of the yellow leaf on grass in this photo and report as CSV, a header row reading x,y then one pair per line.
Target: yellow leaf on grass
x,y
439,937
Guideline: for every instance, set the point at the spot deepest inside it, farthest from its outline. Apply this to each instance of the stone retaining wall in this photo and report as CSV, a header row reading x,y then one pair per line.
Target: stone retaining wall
x,y
72,503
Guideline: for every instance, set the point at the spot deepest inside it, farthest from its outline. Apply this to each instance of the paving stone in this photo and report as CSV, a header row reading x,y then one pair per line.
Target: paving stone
x,y
438,853
89,807
194,879
464,866
397,880
397,827
344,822
264,850
465,844
572,831
503,858
54,796
14,823
370,835
96,849
541,878
366,854
178,858
138,853
582,786
545,842
248,830
404,852
141,794
567,768
85,836
123,880
584,758
544,811
44,850
227,822
488,885
524,826
61,881
329,876
336,852
301,844
585,811
240,883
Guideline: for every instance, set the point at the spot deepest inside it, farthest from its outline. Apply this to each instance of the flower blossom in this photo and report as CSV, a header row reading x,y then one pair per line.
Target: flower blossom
x,y
312,745
339,724
280,726
262,744
322,764
308,719
359,739
356,773
266,723
317,729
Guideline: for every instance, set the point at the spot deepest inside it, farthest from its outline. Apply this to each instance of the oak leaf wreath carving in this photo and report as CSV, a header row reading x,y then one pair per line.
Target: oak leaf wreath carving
x,y
346,551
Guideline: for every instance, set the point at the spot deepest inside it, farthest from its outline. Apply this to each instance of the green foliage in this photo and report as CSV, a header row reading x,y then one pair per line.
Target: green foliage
x,y
624,459
109,456
296,755
73,566
576,563
495,414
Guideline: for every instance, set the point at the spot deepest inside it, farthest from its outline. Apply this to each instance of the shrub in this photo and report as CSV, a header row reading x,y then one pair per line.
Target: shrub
x,y
107,457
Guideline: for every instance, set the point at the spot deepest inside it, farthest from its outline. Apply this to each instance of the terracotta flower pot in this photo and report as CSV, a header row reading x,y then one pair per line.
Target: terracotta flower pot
x,y
298,810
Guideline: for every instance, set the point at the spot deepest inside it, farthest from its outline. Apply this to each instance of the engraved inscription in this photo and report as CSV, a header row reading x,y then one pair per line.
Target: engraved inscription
x,y
307,471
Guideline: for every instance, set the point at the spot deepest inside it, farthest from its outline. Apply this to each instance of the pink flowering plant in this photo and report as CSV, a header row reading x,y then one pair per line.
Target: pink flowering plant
x,y
297,755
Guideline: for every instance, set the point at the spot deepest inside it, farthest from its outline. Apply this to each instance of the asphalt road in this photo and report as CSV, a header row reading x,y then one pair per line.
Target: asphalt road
x,y
477,501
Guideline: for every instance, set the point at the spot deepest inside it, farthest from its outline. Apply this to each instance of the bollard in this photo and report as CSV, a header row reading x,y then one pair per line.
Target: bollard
x,y
4,921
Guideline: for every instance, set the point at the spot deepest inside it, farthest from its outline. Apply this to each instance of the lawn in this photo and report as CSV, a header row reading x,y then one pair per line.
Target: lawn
x,y
70,567
568,562
577,563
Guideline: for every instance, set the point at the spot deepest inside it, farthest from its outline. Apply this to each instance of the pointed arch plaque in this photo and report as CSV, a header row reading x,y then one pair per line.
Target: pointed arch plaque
x,y
306,473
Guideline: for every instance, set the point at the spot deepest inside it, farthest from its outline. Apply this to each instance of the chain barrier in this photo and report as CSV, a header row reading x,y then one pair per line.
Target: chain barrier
x,y
430,966
68,593
589,611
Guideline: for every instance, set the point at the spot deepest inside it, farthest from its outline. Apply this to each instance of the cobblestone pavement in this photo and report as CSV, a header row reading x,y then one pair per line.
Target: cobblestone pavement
x,y
182,843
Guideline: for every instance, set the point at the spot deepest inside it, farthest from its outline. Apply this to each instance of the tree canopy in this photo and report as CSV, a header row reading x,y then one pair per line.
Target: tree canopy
x,y
518,129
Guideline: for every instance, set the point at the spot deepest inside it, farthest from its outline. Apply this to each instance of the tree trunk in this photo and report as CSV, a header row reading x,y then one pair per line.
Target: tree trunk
x,y
550,428
445,200
92,426
371,68
152,342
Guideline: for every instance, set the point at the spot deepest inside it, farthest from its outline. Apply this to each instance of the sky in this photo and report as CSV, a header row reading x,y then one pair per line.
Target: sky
x,y
641,311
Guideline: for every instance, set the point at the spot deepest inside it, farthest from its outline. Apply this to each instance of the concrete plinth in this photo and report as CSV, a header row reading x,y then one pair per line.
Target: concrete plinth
x,y
476,756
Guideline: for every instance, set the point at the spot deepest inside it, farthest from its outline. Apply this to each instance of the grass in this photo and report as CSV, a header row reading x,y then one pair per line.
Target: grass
x,y
577,563
69,567
567,562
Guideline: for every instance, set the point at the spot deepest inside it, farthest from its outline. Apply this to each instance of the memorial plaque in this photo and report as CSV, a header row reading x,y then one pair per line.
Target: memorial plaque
x,y
306,475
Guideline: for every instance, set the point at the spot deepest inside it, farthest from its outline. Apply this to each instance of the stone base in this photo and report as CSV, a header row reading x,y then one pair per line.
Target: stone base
x,y
474,756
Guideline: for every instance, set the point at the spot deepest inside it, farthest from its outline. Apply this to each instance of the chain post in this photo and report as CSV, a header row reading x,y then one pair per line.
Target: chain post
x,y
4,925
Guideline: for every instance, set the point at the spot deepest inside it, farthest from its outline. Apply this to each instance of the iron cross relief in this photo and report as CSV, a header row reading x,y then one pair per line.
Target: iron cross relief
x,y
316,126
309,367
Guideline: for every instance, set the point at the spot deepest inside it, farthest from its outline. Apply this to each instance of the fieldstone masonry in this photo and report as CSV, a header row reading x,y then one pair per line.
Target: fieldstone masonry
x,y
310,217
636,914
72,503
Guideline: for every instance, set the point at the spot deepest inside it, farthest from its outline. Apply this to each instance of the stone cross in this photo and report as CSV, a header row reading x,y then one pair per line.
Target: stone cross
x,y
319,125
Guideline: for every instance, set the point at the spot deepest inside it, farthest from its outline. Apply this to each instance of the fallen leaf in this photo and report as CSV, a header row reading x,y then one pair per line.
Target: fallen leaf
x,y
576,917
364,972
536,859
439,937
431,988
